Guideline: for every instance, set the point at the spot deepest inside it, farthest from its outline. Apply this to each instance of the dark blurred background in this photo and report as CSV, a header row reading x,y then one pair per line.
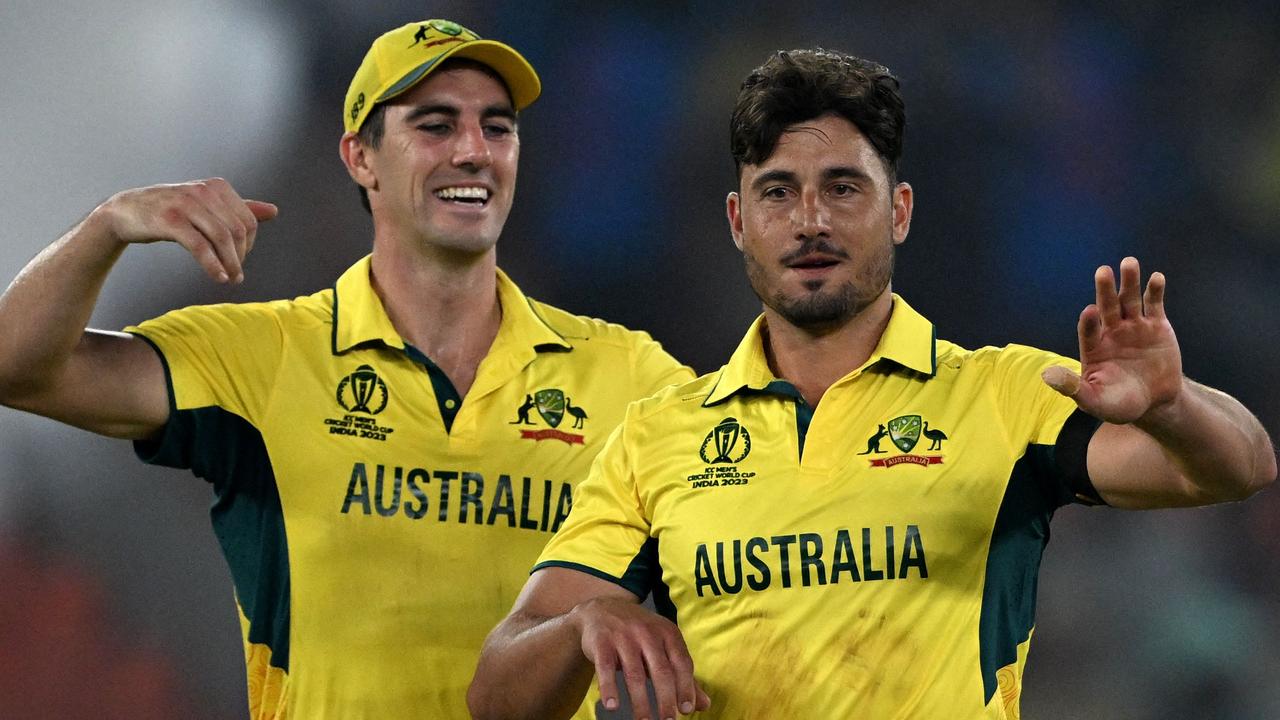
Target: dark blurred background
x,y
1043,139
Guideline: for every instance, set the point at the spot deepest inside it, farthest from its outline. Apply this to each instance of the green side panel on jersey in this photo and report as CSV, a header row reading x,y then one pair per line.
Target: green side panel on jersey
x,y
1013,565
226,450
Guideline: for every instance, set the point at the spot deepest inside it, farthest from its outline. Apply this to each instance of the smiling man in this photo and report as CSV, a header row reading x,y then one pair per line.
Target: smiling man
x,y
801,575
376,503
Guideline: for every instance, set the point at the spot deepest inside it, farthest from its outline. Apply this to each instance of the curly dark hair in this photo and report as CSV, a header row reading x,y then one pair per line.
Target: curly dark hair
x,y
798,85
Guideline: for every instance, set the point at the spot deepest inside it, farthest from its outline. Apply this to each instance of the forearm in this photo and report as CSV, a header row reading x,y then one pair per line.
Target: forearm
x,y
1217,444
44,311
530,667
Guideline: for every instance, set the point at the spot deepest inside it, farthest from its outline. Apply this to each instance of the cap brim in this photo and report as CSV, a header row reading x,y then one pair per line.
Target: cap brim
x,y
521,80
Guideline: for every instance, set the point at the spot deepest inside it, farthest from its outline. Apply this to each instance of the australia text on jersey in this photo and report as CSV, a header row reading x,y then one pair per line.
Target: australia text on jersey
x,y
377,490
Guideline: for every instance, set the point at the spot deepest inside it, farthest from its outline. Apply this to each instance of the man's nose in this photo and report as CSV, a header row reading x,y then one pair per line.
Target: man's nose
x,y
811,216
472,150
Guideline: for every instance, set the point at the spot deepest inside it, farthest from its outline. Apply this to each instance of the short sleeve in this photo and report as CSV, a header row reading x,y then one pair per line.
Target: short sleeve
x,y
217,358
1047,423
607,532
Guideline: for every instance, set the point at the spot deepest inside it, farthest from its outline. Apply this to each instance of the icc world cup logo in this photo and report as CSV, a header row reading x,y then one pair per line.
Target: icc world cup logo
x,y
726,437
363,391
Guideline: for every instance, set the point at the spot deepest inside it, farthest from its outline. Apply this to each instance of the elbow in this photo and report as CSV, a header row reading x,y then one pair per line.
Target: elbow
x,y
1264,468
1257,477
1266,471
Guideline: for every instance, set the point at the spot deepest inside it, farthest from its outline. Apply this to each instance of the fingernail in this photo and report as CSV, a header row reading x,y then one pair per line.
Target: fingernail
x,y
686,707
610,704
222,277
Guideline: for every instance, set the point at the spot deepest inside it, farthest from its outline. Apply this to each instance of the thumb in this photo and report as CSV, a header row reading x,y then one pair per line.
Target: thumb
x,y
262,210
1062,380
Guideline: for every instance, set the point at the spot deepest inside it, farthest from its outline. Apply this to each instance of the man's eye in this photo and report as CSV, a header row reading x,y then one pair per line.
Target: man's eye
x,y
776,193
842,190
497,130
434,128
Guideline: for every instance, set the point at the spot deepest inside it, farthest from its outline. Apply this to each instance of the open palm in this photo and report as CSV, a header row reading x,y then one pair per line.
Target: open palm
x,y
1129,356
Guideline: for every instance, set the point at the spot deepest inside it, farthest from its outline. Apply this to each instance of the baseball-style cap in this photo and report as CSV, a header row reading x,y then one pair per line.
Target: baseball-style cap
x,y
400,58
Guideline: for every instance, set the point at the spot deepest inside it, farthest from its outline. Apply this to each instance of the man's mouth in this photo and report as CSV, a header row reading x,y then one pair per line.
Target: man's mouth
x,y
813,262
464,195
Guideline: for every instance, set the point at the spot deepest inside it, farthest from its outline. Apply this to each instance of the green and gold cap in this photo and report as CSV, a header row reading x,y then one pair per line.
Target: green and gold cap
x,y
401,58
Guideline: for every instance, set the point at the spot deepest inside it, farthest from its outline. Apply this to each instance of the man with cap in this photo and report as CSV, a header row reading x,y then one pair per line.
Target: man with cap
x,y
376,506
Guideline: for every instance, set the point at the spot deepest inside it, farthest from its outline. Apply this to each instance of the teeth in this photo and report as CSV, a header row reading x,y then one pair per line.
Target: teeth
x,y
469,193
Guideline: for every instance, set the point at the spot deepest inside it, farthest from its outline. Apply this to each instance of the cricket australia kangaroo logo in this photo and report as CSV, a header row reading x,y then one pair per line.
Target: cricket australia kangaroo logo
x,y
552,405
904,433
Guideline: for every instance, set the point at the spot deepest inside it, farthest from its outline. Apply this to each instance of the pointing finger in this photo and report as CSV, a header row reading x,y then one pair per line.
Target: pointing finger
x,y
263,211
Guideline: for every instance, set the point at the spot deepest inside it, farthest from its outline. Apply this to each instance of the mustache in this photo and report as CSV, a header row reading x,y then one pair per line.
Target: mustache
x,y
810,247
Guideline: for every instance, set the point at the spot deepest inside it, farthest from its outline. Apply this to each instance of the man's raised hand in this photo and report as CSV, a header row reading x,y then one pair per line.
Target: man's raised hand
x,y
207,217
1129,356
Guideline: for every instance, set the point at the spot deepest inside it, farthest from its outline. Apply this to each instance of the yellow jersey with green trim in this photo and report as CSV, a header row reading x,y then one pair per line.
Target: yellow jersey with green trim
x,y
376,524
873,557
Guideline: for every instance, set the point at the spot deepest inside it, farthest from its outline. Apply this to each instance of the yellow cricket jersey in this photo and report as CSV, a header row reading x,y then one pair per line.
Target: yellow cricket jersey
x,y
376,524
873,558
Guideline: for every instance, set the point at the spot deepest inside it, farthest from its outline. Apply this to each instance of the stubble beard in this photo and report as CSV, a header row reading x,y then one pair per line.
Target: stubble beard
x,y
821,309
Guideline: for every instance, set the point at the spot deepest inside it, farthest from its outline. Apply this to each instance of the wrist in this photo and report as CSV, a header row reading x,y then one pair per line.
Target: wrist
x,y
1165,415
100,225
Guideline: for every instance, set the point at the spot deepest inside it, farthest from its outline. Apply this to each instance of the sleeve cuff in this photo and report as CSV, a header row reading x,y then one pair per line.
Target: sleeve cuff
x,y
1071,457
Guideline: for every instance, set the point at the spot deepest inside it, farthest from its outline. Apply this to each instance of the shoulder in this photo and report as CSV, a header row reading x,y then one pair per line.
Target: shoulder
x,y
250,320
674,401
589,330
993,360
303,310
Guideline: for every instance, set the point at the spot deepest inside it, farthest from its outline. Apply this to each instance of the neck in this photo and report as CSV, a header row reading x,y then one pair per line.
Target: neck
x,y
447,307
813,362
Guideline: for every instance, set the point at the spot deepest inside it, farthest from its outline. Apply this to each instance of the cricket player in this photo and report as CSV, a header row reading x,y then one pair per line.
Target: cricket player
x,y
847,519
389,455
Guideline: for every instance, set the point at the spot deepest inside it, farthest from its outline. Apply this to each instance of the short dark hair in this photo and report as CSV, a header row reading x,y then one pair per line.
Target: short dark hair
x,y
370,134
375,123
798,85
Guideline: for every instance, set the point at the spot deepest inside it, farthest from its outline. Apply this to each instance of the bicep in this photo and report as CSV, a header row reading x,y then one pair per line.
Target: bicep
x,y
112,384
1131,471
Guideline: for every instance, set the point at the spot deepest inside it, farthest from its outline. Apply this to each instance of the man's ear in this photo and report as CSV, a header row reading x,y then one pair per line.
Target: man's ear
x,y
358,159
733,210
903,202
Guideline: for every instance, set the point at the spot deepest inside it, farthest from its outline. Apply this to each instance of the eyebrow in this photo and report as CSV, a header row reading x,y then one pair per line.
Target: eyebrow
x,y
845,171
833,173
420,111
782,176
